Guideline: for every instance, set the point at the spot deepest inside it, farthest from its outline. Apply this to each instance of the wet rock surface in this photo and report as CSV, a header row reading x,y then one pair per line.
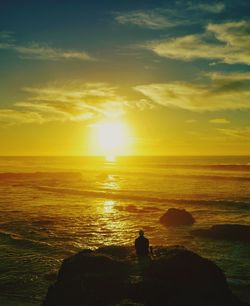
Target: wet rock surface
x,y
177,217
225,232
114,276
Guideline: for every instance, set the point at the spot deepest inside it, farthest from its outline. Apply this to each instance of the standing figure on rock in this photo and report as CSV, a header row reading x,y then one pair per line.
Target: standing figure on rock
x,y
142,245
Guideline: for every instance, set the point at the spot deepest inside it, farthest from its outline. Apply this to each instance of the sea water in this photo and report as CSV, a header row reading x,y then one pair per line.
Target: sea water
x,y
52,207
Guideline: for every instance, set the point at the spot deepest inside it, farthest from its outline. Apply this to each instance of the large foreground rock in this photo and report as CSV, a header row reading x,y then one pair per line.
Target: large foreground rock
x,y
173,277
89,278
225,231
177,217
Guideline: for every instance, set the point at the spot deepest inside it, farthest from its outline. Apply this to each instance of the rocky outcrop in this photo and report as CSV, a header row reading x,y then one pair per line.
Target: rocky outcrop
x,y
89,278
225,232
113,276
177,217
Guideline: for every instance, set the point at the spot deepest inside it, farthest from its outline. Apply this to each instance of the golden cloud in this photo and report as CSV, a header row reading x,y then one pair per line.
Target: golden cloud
x,y
226,42
41,51
70,102
222,92
10,116
236,133
219,121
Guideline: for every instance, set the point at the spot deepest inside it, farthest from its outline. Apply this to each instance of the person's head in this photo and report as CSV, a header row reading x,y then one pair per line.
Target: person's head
x,y
141,233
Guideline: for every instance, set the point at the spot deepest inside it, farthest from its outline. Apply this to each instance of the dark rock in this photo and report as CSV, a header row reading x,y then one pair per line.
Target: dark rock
x,y
226,232
177,217
88,278
127,302
175,277
52,276
185,278
119,252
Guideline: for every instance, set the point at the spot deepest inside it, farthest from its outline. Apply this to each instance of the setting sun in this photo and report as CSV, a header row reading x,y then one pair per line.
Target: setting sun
x,y
110,139
125,132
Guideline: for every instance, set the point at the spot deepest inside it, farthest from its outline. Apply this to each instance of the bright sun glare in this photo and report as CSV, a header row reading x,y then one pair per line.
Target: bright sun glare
x,y
112,139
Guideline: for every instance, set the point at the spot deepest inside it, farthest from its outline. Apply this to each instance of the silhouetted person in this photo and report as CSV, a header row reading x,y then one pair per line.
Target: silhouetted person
x,y
142,245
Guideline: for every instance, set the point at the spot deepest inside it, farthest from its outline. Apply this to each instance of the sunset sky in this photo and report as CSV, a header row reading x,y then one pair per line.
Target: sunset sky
x,y
173,76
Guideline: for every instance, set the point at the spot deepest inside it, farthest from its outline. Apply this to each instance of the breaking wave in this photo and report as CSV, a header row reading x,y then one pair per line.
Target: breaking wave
x,y
114,195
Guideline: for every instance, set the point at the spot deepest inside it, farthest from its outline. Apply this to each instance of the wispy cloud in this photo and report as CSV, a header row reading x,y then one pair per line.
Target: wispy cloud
x,y
234,76
154,19
177,15
216,7
75,102
219,121
10,117
44,52
40,51
217,94
6,35
71,102
190,121
226,42
236,133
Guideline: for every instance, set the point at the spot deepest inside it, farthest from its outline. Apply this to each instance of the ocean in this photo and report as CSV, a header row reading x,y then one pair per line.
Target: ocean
x,y
52,207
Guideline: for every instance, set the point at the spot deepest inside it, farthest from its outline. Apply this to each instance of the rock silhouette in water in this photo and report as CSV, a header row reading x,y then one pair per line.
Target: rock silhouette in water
x,y
225,232
114,277
177,217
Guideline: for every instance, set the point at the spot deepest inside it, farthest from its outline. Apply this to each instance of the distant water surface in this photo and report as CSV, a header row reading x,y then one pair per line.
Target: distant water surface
x,y
51,207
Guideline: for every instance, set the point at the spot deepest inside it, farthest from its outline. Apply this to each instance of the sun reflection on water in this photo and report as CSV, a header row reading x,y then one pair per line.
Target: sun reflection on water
x,y
108,206
111,182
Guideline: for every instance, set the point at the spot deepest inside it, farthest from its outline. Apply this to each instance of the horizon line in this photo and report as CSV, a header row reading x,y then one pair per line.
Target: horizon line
x,y
124,156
